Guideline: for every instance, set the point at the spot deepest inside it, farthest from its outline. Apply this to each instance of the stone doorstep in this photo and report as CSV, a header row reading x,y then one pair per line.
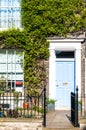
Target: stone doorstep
x,y
15,128
82,127
82,123
8,128
61,129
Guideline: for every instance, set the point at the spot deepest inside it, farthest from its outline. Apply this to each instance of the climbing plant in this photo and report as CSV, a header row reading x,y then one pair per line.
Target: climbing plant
x,y
53,17
42,19
34,56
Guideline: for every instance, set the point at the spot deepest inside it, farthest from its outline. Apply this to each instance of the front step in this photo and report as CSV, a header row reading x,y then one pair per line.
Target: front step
x,y
61,128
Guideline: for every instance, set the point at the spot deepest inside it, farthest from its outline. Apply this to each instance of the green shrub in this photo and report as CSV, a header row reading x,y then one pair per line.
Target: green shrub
x,y
48,101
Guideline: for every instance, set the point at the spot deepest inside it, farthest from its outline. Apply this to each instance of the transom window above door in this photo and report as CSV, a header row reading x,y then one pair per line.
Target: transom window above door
x,y
64,54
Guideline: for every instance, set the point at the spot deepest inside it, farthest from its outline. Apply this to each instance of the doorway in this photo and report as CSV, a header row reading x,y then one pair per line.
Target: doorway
x,y
67,53
64,83
65,67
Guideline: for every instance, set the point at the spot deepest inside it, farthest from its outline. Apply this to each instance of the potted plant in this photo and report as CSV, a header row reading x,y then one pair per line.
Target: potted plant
x,y
25,105
50,104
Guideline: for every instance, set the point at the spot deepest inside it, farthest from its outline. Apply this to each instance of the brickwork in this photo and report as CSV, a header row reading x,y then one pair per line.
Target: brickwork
x,y
83,77
83,68
47,79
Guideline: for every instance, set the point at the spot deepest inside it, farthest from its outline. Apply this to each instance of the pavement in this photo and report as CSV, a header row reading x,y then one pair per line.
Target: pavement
x,y
56,120
20,124
60,120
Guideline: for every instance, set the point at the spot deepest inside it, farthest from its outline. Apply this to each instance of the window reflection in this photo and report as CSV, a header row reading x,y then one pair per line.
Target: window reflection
x,y
10,13
11,68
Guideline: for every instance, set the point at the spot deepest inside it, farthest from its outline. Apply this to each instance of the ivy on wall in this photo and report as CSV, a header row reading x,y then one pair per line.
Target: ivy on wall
x,y
53,17
42,19
35,54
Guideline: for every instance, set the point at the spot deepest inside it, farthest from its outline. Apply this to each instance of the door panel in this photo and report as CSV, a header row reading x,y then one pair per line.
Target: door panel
x,y
64,83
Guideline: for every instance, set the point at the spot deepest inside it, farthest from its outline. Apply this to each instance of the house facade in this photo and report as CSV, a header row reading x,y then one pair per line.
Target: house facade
x,y
65,68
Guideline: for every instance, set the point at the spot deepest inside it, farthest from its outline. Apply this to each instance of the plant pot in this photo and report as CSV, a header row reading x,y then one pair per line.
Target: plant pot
x,y
25,105
51,107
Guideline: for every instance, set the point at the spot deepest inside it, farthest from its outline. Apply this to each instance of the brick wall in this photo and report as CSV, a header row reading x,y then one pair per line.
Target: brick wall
x,y
83,69
83,78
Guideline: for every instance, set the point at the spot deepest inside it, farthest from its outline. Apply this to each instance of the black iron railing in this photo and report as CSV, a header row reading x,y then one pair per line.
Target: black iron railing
x,y
44,121
74,108
27,106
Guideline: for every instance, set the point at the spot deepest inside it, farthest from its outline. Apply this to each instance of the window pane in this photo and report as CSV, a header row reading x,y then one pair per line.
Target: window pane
x,y
3,76
10,12
3,2
9,2
19,76
19,68
11,76
11,56
3,68
3,56
16,2
11,68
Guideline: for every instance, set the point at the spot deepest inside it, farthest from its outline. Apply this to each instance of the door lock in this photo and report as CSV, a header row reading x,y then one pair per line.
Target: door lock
x,y
65,83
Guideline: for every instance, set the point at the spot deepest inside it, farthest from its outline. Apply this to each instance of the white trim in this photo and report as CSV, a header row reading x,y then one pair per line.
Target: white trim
x,y
65,59
5,29
64,44
55,40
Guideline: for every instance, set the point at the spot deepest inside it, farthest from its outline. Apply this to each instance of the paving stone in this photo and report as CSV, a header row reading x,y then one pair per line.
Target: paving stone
x,y
20,126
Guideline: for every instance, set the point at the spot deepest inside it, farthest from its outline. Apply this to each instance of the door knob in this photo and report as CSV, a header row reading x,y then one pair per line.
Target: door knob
x,y
65,83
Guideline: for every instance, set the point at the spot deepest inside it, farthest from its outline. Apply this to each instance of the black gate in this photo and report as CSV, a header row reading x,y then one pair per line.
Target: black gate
x,y
74,108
